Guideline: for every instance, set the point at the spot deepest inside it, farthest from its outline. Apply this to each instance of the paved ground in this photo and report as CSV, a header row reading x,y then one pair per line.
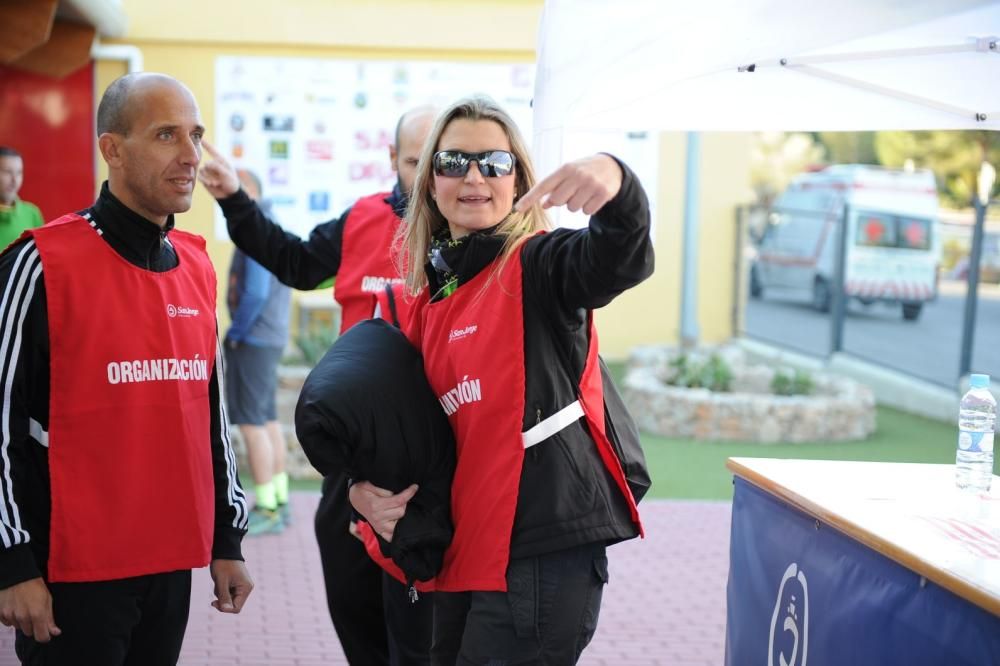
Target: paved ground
x,y
879,335
665,603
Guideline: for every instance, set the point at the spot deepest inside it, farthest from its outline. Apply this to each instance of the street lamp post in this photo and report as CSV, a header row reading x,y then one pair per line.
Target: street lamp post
x,y
987,174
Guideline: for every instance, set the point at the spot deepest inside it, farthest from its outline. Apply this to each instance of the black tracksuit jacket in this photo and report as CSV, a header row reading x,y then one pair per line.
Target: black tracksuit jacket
x,y
566,496
24,362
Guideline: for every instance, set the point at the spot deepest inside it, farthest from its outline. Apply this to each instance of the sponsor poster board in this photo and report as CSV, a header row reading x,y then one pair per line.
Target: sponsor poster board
x,y
317,131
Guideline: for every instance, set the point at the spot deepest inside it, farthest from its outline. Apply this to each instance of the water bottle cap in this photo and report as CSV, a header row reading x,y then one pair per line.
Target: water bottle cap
x,y
979,381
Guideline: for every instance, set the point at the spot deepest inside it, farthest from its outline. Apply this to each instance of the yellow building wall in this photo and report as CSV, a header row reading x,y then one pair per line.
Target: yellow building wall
x,y
183,38
651,312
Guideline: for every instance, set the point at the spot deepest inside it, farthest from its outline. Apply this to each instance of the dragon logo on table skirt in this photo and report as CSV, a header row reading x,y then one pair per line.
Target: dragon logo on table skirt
x,y
790,621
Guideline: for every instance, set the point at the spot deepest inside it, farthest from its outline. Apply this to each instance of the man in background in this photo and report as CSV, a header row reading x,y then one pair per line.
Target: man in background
x,y
258,307
371,611
16,215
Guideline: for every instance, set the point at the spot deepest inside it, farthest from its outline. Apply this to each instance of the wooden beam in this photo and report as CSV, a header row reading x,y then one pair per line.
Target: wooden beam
x,y
67,50
24,26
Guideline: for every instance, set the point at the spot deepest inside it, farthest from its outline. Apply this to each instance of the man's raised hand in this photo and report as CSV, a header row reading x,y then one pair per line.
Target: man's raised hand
x,y
217,174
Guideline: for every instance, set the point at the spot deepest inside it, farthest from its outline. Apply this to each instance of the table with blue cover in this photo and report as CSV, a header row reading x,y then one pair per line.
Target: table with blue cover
x,y
836,563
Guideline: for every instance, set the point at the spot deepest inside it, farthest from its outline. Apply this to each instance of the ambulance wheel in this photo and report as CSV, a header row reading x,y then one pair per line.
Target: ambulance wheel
x,y
821,296
911,311
756,288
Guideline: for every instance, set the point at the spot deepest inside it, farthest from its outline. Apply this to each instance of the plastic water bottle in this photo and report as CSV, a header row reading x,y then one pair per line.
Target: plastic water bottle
x,y
976,424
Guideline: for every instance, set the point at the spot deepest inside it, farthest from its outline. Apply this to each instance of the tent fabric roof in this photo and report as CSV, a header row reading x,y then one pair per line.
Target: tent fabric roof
x,y
675,66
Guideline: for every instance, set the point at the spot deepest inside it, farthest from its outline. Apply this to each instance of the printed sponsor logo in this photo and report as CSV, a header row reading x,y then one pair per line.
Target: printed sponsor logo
x,y
278,175
319,201
279,150
374,284
319,149
158,370
459,333
279,123
790,620
467,390
181,311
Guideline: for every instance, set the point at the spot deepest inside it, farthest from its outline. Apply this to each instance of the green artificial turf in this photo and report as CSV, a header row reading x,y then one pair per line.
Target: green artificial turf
x,y
688,469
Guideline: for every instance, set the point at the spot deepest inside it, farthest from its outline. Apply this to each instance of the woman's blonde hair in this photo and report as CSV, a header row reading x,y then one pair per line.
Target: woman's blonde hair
x,y
423,219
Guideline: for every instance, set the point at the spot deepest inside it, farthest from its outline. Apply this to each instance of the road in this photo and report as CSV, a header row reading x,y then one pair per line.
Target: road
x,y
928,348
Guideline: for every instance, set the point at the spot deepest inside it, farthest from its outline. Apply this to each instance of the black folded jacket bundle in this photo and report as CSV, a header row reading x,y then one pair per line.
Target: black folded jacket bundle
x,y
367,410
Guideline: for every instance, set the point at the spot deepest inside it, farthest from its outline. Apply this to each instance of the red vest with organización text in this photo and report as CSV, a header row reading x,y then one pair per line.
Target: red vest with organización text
x,y
131,353
366,263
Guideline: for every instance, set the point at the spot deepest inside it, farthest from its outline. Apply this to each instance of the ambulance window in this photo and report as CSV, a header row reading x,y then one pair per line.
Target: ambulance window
x,y
793,201
914,233
875,230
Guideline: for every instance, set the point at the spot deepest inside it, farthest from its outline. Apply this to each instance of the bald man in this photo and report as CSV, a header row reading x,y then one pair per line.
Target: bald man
x,y
371,611
116,473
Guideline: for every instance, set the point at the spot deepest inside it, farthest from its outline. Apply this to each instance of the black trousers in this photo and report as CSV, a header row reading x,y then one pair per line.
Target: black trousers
x,y
371,611
547,616
127,622
409,624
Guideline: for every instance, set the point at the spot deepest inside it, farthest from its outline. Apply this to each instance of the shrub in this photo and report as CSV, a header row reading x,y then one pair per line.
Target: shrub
x,y
314,344
798,383
713,373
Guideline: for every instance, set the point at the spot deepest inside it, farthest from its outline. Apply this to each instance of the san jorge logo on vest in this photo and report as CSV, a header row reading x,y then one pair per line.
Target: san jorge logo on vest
x,y
466,391
789,639
180,311
459,333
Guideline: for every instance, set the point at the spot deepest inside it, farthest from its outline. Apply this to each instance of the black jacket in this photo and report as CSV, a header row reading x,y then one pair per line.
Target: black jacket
x,y
566,496
367,411
24,362
302,264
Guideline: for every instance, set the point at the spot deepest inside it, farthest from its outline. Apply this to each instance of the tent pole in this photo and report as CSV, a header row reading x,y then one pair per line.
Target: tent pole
x,y
889,92
689,261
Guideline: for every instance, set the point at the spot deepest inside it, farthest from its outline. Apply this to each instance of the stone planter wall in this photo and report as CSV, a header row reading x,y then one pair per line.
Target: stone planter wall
x,y
839,409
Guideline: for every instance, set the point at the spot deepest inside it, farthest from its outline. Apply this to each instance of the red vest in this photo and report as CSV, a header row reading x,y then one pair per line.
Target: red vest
x,y
366,263
131,353
473,348
395,305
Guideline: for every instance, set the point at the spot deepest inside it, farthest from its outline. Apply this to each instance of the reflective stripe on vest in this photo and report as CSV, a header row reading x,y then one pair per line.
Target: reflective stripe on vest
x,y
564,418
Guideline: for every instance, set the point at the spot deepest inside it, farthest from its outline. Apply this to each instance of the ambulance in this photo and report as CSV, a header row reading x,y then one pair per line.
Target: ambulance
x,y
893,243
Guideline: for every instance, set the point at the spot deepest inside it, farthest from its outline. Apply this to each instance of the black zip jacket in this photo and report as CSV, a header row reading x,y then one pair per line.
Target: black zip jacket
x,y
367,411
24,366
566,497
301,264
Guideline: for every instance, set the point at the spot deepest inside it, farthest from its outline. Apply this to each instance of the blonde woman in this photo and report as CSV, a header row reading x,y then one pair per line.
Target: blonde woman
x,y
502,317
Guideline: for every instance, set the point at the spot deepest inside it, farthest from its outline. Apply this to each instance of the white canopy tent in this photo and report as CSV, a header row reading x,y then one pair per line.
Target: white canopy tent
x,y
716,65
724,65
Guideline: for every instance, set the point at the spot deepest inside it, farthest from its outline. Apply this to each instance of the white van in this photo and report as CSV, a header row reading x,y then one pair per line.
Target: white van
x,y
893,244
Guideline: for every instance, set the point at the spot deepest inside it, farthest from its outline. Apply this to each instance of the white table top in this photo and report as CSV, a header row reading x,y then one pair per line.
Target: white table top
x,y
911,513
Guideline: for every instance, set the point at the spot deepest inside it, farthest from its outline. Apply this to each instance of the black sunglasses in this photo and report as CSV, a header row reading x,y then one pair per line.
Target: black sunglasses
x,y
455,163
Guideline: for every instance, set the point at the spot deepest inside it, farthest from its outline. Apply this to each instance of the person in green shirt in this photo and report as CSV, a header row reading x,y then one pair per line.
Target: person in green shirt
x,y
15,215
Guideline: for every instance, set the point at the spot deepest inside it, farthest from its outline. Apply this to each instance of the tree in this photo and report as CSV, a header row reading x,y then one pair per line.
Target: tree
x,y
955,158
776,158
849,147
